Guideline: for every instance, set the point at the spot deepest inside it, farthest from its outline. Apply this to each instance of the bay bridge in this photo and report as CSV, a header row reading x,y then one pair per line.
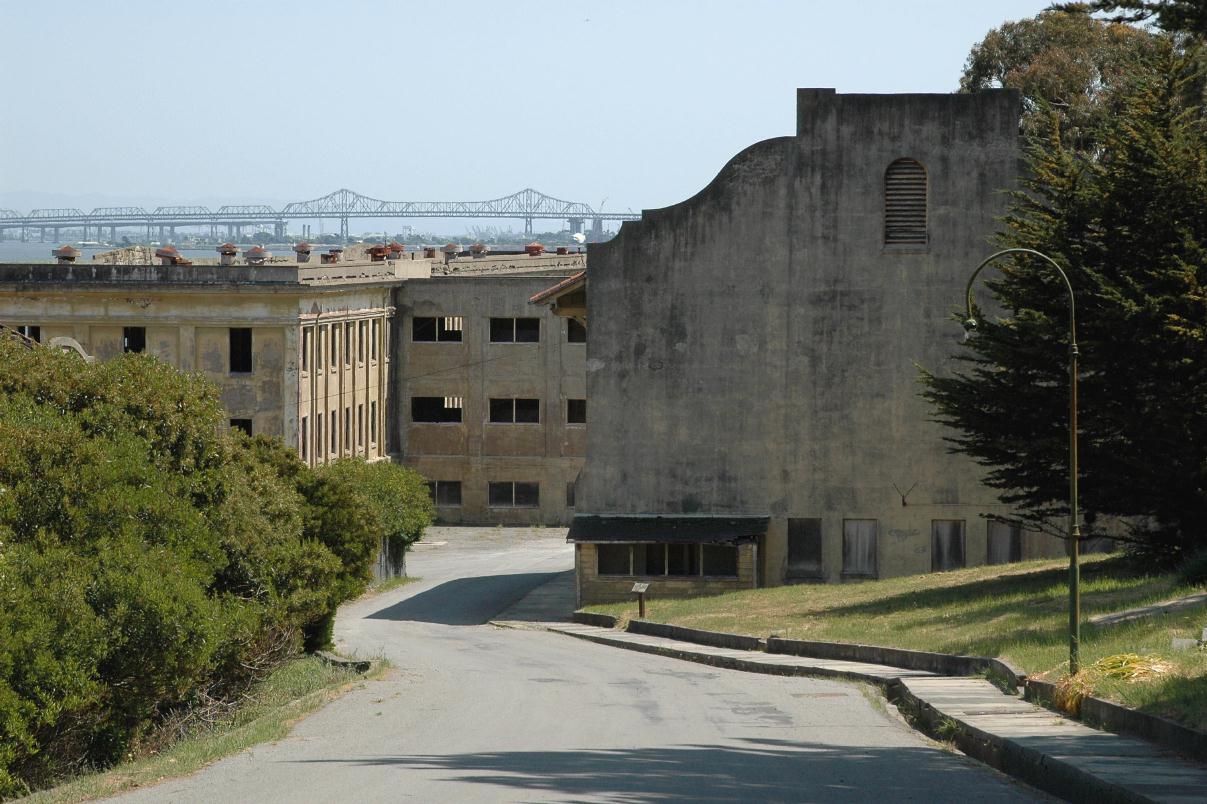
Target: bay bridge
x,y
342,205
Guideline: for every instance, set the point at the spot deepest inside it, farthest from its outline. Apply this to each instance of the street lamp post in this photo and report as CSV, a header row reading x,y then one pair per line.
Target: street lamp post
x,y
1074,528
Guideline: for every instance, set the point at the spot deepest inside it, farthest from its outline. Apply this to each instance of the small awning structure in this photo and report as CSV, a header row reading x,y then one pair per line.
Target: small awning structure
x,y
650,528
567,298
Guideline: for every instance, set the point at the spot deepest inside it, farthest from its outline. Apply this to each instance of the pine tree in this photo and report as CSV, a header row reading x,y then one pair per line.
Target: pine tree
x,y
1127,218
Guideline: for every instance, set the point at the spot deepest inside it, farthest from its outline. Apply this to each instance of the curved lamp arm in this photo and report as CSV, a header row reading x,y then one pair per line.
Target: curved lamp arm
x,y
970,322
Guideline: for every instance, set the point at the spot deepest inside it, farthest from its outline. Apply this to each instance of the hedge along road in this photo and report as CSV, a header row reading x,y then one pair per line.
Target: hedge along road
x,y
473,712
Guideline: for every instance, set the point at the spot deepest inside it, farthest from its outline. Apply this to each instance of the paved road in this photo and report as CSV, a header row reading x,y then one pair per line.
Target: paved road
x,y
473,712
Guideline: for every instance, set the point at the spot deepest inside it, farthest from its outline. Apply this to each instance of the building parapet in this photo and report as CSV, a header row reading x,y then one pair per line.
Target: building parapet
x,y
217,275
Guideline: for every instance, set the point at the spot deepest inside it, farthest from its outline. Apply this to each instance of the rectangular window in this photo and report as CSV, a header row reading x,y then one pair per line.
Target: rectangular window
x,y
576,411
1005,543
515,411
445,493
134,340
372,341
34,333
318,347
720,560
513,495
515,330
347,427
240,350
348,332
373,422
318,435
859,548
576,331
682,559
612,559
947,544
804,548
307,343
649,559
569,495
242,424
360,425
438,409
303,438
333,352
445,330
334,428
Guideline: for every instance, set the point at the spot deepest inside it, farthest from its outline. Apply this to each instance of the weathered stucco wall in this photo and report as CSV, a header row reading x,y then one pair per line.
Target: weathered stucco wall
x,y
754,349
475,451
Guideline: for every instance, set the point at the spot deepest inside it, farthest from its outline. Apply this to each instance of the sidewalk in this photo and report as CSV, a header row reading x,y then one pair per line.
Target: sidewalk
x,y
1051,752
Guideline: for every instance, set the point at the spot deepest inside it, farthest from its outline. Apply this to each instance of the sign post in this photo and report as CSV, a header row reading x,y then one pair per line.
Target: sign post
x,y
640,589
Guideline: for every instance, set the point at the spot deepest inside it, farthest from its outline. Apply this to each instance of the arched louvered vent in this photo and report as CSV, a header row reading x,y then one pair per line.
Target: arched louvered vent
x,y
905,202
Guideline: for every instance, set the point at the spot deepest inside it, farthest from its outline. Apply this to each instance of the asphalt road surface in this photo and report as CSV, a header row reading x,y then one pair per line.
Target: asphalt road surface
x,y
473,712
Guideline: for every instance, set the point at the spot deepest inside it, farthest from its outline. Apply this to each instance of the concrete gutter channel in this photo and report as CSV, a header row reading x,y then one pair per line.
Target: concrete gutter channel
x,y
949,697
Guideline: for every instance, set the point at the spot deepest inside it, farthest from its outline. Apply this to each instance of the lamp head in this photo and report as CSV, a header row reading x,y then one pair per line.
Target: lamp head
x,y
970,324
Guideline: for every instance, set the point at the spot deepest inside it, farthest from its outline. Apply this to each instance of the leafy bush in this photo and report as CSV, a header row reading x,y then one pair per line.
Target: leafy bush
x,y
149,562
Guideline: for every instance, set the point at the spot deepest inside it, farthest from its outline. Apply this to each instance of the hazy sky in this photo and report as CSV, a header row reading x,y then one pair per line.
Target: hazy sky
x,y
639,103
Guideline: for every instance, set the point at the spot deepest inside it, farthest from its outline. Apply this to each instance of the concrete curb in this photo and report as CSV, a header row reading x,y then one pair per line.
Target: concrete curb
x,y
1038,769
734,662
1109,716
716,639
591,618
355,665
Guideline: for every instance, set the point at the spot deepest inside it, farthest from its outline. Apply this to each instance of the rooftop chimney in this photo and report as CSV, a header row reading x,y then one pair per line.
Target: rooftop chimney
x,y
168,255
66,255
478,250
331,256
303,251
450,250
429,252
396,249
378,253
256,255
226,253
534,249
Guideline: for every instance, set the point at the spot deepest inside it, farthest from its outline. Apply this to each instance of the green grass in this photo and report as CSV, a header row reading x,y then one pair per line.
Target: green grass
x,y
388,584
289,693
1018,612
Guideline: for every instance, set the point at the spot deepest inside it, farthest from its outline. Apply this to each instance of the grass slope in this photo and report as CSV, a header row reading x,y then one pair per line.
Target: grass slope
x,y
1018,612
289,693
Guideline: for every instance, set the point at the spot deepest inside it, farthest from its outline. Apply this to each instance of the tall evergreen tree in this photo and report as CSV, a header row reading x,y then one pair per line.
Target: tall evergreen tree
x,y
1128,219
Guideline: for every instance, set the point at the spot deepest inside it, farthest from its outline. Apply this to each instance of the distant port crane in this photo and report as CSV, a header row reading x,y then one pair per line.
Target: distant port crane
x,y
527,205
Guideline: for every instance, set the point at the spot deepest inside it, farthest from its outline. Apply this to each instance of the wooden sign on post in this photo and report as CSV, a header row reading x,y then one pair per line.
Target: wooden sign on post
x,y
640,588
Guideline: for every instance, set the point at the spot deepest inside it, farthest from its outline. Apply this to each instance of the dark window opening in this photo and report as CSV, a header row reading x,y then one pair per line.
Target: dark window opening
x,y
859,548
649,559
515,411
318,347
134,339
612,559
334,428
444,330
1005,543
360,425
376,330
335,330
515,330
439,409
576,331
720,560
348,427
305,439
947,542
240,350
445,493
513,495
307,338
348,330
318,435
569,495
576,411
34,333
804,548
373,422
242,424
683,559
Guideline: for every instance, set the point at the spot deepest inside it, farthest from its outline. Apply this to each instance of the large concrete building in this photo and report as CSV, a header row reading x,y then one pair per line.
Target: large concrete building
x,y
753,358
434,360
